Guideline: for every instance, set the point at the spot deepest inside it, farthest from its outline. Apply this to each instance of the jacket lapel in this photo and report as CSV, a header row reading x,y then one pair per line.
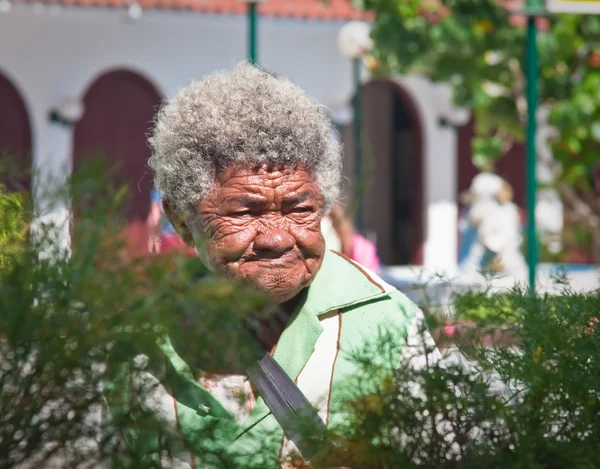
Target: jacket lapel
x,y
335,287
294,348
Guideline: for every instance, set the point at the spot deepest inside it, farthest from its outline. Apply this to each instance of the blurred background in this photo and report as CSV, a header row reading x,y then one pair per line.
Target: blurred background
x,y
424,95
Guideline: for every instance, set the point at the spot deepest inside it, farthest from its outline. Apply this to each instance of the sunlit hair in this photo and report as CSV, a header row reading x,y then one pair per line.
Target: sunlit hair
x,y
245,115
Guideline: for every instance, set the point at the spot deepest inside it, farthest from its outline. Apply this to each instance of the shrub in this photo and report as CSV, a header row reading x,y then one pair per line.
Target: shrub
x,y
13,226
532,404
70,321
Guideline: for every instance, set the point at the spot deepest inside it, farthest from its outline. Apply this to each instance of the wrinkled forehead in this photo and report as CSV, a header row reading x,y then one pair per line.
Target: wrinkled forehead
x,y
292,183
263,173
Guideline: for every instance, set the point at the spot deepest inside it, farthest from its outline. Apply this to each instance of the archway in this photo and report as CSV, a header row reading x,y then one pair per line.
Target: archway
x,y
119,109
15,139
393,206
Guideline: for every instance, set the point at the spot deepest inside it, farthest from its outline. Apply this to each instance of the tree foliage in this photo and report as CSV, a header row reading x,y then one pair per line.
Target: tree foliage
x,y
478,47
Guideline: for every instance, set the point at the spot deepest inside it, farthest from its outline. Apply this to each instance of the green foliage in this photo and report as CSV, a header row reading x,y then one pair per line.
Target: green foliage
x,y
70,321
486,151
579,122
530,403
484,309
478,47
13,227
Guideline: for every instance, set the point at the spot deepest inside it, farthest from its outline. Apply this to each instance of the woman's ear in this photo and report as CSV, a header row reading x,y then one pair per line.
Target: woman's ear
x,y
180,225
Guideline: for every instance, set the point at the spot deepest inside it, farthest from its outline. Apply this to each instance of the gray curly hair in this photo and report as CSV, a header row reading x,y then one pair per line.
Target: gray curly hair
x,y
245,115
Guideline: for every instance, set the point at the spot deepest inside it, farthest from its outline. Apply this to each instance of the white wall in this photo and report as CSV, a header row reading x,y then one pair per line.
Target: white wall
x,y
440,153
53,56
439,149
53,53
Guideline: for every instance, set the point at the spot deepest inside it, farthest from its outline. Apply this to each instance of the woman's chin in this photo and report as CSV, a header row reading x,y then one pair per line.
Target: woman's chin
x,y
281,293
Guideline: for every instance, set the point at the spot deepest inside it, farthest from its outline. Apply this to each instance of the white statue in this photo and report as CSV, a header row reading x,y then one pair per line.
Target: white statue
x,y
496,222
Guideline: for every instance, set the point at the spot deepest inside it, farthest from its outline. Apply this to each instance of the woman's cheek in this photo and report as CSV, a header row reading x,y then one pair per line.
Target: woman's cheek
x,y
231,244
309,238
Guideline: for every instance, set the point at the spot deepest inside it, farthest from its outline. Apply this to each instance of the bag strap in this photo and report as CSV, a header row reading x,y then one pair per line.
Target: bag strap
x,y
294,412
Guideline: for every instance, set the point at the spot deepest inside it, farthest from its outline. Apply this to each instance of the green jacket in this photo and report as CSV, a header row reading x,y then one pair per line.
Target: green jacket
x,y
346,307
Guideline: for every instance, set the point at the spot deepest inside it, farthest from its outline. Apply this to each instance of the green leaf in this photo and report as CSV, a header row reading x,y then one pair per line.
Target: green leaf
x,y
574,145
595,130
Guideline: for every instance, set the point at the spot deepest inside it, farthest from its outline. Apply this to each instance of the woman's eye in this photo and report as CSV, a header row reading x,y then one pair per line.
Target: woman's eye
x,y
242,213
302,209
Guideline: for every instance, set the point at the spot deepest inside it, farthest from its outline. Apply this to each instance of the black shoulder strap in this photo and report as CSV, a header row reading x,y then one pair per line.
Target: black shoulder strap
x,y
296,415
294,412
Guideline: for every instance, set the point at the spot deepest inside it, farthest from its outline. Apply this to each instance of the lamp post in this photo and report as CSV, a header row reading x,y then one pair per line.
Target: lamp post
x,y
533,8
252,30
354,42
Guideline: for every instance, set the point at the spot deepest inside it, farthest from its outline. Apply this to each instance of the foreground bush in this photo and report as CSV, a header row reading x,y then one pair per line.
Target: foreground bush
x,y
13,225
533,402
70,321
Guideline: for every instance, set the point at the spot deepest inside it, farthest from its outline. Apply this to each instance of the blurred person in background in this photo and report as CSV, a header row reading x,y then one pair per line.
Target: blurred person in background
x,y
162,237
353,244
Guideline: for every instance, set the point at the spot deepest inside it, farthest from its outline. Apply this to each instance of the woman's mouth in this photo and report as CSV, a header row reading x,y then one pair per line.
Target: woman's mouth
x,y
273,258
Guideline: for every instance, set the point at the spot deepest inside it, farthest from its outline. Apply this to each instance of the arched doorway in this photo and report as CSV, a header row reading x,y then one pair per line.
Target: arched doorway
x,y
15,139
119,109
393,206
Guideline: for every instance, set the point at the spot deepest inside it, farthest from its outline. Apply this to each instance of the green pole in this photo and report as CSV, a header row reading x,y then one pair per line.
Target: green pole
x,y
532,75
252,29
356,67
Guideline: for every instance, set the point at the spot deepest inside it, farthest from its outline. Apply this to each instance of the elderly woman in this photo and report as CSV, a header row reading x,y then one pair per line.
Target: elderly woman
x,y
248,167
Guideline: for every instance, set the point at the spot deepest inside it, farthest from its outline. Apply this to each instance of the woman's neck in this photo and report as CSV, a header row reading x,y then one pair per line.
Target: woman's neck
x,y
273,326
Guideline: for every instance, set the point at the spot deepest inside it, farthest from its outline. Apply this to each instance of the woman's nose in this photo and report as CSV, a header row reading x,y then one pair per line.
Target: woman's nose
x,y
274,240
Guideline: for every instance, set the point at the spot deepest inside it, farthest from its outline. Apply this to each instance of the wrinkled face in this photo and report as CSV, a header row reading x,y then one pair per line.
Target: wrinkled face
x,y
264,227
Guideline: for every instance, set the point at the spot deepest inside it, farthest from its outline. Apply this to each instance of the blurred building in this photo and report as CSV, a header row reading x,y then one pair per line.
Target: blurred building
x,y
85,76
